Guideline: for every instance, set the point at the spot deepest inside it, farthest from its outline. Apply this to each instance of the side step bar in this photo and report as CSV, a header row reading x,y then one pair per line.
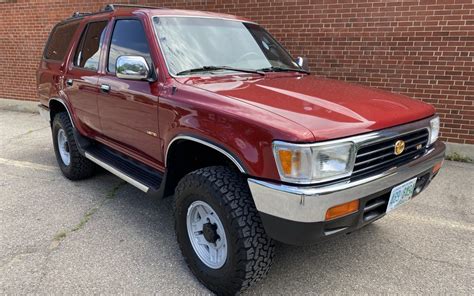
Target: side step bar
x,y
143,177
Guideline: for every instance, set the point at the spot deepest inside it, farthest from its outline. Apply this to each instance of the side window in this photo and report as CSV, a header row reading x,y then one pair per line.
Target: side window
x,y
59,41
128,38
88,52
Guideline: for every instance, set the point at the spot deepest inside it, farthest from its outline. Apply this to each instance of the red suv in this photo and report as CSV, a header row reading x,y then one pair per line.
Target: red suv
x,y
211,110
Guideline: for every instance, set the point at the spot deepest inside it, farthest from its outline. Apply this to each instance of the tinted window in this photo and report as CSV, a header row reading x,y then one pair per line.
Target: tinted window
x,y
128,38
88,52
59,41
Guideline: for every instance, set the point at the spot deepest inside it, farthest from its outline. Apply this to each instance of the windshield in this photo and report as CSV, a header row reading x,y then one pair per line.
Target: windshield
x,y
191,43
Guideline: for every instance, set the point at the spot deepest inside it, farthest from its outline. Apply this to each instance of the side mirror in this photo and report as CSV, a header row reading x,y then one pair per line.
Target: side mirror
x,y
303,63
132,67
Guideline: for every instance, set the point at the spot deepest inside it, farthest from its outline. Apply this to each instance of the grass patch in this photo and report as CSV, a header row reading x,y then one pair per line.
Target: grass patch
x,y
458,157
112,194
87,216
60,235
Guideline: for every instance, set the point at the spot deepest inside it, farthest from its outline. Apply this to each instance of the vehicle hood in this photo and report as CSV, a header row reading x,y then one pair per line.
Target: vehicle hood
x,y
330,109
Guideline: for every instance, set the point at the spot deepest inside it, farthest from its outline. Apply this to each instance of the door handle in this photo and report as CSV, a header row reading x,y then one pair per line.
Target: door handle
x,y
105,88
69,82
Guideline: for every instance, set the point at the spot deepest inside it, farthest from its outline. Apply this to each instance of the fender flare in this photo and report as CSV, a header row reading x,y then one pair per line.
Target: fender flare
x,y
59,100
209,144
82,142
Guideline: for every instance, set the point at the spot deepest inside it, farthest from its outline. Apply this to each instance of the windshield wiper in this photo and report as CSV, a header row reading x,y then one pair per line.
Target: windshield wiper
x,y
214,68
280,69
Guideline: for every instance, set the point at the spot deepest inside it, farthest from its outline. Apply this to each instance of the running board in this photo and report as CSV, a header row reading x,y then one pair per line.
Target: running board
x,y
143,177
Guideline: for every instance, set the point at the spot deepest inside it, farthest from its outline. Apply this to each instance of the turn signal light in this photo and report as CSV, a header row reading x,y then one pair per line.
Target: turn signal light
x,y
286,158
342,210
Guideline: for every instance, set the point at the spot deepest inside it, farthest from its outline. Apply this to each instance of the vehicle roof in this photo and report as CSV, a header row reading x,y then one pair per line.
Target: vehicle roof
x,y
192,13
130,11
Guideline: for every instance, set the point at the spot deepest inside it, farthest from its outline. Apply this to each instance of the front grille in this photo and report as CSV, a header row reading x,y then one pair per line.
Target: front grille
x,y
379,156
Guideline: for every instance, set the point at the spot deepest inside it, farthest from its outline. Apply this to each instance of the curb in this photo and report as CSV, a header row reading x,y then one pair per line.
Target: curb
x,y
464,150
19,105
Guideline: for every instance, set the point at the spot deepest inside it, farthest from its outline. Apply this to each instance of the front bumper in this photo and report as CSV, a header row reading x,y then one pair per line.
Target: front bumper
x,y
296,214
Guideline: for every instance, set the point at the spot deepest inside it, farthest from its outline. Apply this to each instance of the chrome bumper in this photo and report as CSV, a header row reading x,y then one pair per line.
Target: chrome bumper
x,y
310,204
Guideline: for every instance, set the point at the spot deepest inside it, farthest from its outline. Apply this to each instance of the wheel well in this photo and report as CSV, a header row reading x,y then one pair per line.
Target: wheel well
x,y
185,156
55,107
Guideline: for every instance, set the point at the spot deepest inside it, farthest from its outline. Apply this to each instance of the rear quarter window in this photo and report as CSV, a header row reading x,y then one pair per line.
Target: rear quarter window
x,y
59,40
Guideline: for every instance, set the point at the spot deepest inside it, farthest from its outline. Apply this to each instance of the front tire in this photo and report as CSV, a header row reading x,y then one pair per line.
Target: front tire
x,y
220,232
72,163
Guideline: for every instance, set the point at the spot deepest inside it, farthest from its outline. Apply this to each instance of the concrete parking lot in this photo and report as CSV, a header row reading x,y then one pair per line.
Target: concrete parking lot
x,y
103,236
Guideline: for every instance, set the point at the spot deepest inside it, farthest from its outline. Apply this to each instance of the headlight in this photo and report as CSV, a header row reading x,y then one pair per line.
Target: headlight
x,y
434,130
312,163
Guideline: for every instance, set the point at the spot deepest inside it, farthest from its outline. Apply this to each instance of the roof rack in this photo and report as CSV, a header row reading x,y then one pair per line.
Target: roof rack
x,y
108,8
111,7
80,14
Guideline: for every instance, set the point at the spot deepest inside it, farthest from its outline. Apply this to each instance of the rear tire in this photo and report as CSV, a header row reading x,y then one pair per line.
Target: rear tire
x,y
226,202
72,163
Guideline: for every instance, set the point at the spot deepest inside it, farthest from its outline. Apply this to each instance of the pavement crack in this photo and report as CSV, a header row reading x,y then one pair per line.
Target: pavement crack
x,y
423,258
14,256
12,141
61,235
31,131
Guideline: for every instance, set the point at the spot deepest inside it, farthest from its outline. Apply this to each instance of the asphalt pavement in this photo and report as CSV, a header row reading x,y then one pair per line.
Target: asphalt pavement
x,y
104,236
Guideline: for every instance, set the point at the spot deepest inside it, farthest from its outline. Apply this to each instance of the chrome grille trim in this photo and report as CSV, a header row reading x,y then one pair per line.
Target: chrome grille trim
x,y
382,156
405,157
391,146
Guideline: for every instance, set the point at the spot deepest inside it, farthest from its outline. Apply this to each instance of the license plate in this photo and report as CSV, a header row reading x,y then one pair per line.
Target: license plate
x,y
401,194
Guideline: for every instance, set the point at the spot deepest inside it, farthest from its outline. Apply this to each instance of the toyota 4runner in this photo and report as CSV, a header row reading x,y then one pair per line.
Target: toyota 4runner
x,y
211,110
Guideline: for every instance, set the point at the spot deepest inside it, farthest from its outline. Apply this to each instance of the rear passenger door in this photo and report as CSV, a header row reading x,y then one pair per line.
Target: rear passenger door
x,y
52,67
129,108
82,75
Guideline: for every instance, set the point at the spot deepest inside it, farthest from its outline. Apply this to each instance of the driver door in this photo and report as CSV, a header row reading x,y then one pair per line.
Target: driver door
x,y
128,109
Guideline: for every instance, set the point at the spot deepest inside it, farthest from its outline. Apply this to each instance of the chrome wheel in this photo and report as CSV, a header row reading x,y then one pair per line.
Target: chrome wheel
x,y
63,147
207,234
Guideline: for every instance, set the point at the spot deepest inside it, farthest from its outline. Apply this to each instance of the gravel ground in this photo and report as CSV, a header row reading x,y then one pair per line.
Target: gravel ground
x,y
104,236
